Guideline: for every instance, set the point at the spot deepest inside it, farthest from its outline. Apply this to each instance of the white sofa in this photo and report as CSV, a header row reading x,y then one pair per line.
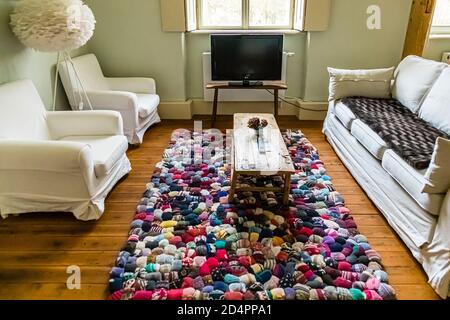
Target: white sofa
x,y
421,219
56,161
134,98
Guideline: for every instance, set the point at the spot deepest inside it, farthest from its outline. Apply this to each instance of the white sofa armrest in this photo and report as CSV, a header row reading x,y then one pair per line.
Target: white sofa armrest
x,y
49,156
84,123
136,85
437,257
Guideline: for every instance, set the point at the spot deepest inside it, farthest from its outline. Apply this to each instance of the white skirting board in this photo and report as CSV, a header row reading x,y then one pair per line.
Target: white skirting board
x,y
306,113
186,109
175,110
201,107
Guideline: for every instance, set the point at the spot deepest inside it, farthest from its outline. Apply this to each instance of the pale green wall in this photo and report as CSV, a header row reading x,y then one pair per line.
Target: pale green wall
x,y
18,62
348,43
199,43
435,48
128,41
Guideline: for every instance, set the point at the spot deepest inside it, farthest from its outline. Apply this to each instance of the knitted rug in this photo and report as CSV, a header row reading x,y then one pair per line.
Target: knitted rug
x,y
188,242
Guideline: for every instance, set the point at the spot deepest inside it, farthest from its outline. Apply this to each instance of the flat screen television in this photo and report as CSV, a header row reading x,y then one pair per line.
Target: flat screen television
x,y
246,58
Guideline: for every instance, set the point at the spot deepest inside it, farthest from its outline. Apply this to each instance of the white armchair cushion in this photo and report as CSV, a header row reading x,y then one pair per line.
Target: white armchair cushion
x,y
75,123
22,116
436,106
106,151
370,83
148,104
89,72
438,173
414,77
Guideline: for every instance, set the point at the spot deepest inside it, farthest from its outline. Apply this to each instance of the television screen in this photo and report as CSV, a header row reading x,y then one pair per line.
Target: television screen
x,y
246,57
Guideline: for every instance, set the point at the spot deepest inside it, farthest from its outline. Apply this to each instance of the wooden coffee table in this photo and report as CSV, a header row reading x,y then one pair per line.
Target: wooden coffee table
x,y
248,161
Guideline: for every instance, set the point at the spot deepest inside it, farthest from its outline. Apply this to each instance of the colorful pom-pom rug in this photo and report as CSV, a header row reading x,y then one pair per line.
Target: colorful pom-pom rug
x,y
188,242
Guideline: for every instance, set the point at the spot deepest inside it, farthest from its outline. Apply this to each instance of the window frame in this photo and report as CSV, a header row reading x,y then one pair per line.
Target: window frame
x,y
245,21
439,30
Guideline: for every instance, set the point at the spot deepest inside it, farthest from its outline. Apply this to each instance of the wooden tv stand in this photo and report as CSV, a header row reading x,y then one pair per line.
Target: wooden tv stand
x,y
275,86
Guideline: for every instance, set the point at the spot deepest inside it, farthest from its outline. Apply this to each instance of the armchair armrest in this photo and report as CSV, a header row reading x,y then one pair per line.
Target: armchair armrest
x,y
113,100
124,102
136,85
50,156
79,123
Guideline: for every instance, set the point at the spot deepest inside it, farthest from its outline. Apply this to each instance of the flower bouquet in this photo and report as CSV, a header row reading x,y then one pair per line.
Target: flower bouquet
x,y
258,125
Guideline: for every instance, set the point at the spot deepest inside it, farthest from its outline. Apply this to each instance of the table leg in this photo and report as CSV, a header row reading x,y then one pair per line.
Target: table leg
x,y
214,114
233,185
275,103
287,188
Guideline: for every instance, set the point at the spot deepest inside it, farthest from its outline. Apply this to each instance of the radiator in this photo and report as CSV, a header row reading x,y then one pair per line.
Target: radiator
x,y
239,95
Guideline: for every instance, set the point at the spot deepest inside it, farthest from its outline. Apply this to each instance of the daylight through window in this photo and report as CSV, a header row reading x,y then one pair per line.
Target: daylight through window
x,y
441,18
246,14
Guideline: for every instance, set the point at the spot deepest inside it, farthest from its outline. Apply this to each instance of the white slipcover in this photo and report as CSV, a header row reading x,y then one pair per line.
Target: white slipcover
x,y
425,235
436,106
134,98
371,83
414,77
344,114
369,139
56,161
419,215
412,181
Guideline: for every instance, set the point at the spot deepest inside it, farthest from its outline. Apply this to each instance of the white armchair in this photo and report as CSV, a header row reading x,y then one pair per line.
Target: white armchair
x,y
134,98
57,161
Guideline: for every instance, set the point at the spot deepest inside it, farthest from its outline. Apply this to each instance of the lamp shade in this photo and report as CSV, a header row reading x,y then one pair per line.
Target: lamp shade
x,y
52,25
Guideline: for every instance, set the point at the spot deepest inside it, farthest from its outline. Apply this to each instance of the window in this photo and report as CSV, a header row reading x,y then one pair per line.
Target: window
x,y
246,14
441,18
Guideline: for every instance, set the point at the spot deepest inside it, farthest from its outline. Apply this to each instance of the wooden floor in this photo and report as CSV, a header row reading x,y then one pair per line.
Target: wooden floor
x,y
36,249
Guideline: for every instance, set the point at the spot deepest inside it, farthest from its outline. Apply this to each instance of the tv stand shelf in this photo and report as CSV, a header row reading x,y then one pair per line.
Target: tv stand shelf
x,y
275,86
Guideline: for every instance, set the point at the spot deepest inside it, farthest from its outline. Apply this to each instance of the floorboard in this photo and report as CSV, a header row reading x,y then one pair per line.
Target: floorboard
x,y
36,249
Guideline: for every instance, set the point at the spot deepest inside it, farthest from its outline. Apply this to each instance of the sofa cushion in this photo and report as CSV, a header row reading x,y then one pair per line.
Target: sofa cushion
x,y
436,106
414,77
403,131
412,181
438,173
106,150
369,139
371,83
148,104
344,114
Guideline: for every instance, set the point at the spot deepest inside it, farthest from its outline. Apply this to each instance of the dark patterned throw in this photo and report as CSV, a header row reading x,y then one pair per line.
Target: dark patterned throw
x,y
404,132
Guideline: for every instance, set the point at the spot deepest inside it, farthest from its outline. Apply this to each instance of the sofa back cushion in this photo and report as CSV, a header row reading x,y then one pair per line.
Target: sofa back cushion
x,y
22,113
438,173
435,108
414,77
369,83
